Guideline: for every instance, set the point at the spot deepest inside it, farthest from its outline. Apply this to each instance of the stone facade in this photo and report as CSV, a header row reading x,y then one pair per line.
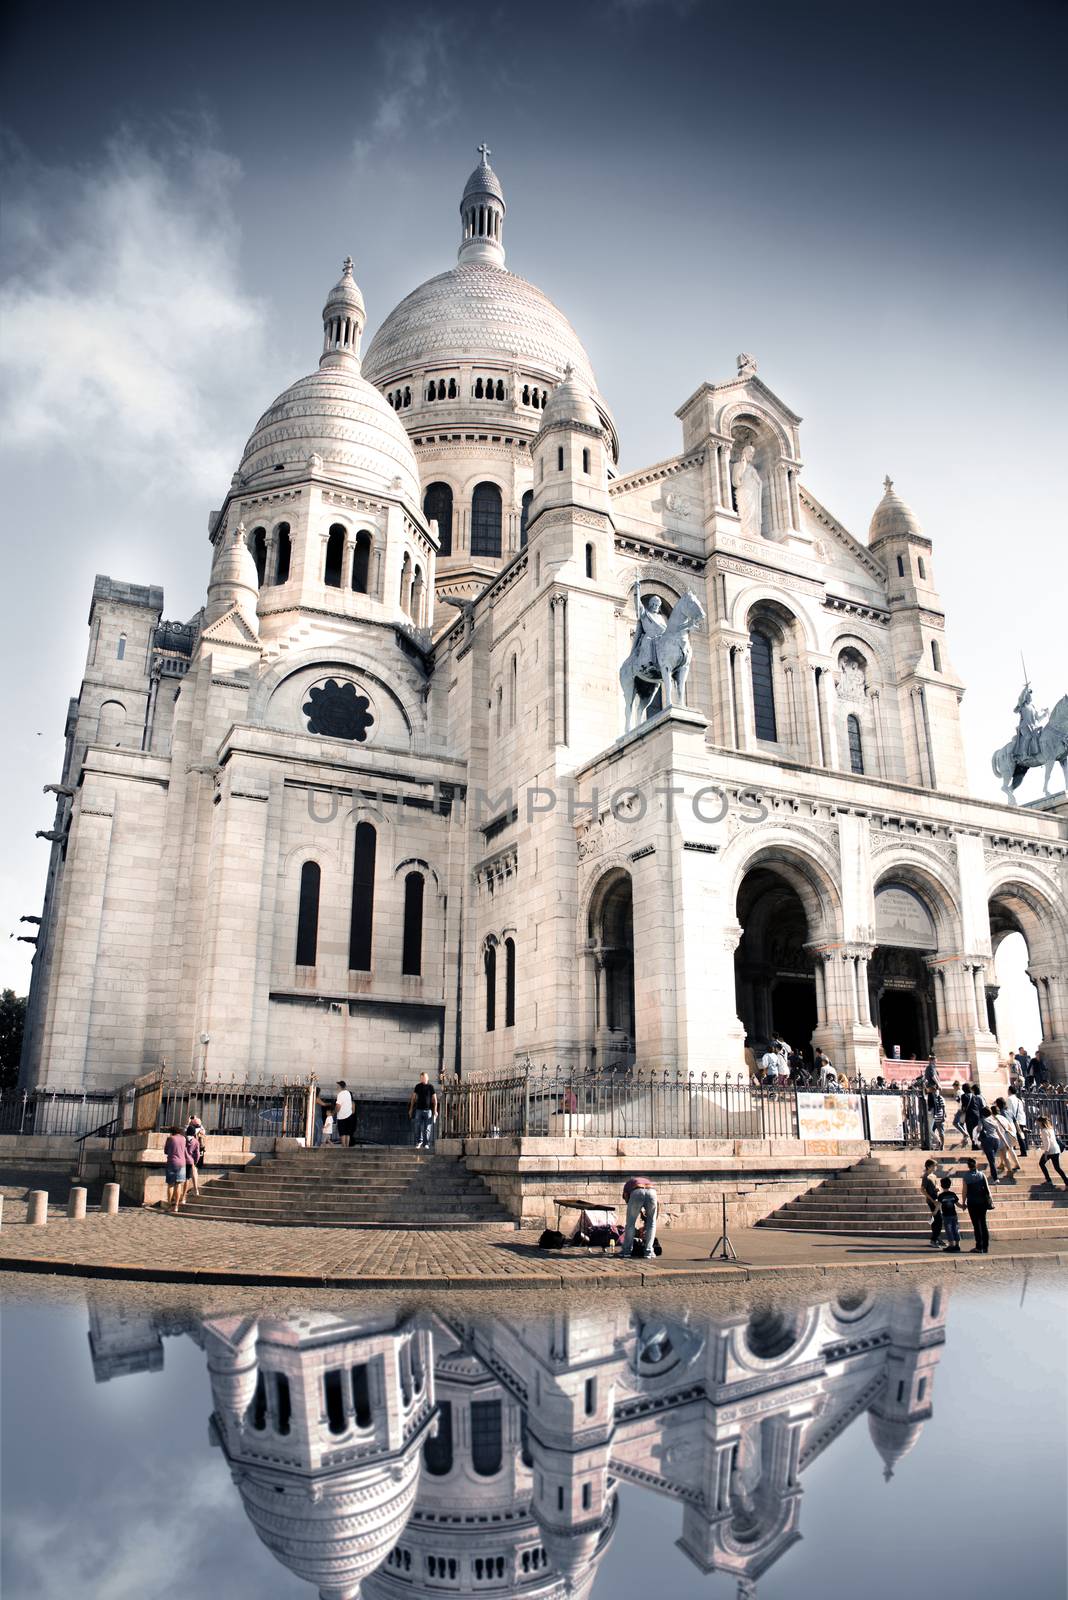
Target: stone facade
x,y
327,825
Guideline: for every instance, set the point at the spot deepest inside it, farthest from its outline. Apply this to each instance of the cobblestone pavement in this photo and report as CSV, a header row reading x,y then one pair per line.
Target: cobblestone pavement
x,y
154,1246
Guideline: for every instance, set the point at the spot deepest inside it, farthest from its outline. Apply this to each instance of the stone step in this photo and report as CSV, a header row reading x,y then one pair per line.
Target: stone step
x,y
1014,1230
270,1219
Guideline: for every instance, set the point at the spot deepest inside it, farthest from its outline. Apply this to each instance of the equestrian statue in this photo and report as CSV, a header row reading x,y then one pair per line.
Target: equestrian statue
x,y
660,655
1040,741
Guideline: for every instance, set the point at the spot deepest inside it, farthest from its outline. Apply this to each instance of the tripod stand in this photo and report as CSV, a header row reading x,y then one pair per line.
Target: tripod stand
x,y
723,1247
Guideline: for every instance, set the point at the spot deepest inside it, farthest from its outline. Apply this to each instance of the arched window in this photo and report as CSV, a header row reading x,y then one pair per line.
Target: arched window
x,y
335,557
437,507
513,690
412,945
437,1452
763,686
856,748
509,983
257,543
936,656
361,562
418,587
499,703
308,914
478,388
590,564
361,1395
120,648
111,723
524,517
900,567
500,389
452,389
922,569
490,961
487,1437
406,583
283,1404
486,520
363,898
586,461
283,555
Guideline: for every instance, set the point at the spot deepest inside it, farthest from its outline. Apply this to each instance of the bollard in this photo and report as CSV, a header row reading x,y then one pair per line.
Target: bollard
x,y
109,1205
76,1203
37,1207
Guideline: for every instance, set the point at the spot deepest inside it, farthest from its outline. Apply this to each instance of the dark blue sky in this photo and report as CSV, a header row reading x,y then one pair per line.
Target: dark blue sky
x,y
868,199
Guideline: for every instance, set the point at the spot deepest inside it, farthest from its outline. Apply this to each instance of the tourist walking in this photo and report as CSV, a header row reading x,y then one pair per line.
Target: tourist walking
x,y
192,1151
948,1204
1008,1128
929,1186
344,1113
196,1144
423,1107
1016,1112
175,1157
936,1118
995,1144
974,1110
1050,1148
978,1202
640,1195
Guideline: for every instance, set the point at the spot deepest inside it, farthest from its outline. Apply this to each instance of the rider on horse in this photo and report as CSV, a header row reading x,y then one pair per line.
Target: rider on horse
x,y
1029,727
651,627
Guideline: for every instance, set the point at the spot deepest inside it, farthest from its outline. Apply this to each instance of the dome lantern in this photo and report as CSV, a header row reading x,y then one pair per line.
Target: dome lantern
x,y
343,320
482,210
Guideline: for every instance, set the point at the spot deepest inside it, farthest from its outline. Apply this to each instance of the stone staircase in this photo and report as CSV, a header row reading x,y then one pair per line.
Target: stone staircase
x,y
381,1186
880,1197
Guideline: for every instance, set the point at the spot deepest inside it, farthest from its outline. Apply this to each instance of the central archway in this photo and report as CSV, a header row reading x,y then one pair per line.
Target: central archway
x,y
775,980
611,943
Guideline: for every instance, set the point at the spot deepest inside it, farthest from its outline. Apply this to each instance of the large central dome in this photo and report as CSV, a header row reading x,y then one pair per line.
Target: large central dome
x,y
476,312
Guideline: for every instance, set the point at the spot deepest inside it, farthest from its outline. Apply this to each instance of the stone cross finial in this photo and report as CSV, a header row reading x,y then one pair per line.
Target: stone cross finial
x,y
569,372
888,484
347,265
239,532
485,152
746,365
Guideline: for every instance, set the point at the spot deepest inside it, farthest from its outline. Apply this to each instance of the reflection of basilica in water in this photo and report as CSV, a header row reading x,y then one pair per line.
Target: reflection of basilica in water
x,y
388,1455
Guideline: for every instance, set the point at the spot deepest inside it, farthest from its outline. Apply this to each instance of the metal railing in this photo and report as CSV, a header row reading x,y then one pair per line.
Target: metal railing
x,y
251,1110
56,1113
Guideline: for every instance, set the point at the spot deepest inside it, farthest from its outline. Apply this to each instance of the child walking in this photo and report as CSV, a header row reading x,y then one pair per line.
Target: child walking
x,y
948,1204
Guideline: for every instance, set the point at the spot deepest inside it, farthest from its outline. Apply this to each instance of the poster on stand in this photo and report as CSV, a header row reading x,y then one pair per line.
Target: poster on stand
x,y
886,1118
829,1116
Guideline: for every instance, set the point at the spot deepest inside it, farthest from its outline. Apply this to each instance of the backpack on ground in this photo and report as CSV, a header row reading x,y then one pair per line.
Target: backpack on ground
x,y
551,1239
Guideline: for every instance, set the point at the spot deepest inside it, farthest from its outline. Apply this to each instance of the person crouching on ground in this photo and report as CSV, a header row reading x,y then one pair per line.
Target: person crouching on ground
x,y
978,1202
948,1204
640,1196
929,1186
175,1158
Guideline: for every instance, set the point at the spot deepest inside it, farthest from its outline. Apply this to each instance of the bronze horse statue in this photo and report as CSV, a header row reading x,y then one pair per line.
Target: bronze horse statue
x,y
1052,747
672,654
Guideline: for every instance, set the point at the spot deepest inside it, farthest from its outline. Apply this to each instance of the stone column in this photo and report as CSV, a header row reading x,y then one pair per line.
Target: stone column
x,y
743,688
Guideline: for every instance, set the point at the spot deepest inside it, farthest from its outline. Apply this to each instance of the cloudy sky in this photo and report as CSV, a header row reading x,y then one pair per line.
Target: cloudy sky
x,y
865,198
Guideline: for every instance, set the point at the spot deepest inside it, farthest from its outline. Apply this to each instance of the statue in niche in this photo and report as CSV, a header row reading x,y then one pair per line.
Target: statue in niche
x,y
660,655
748,492
852,684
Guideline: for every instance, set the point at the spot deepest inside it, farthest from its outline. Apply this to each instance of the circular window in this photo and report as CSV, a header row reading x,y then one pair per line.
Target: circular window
x,y
769,1333
338,709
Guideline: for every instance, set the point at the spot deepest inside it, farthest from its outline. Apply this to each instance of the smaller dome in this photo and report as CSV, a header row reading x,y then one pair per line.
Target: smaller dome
x,y
345,295
893,1438
892,517
570,401
483,180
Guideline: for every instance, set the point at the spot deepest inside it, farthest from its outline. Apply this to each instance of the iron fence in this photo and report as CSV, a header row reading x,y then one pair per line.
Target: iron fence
x,y
251,1110
56,1113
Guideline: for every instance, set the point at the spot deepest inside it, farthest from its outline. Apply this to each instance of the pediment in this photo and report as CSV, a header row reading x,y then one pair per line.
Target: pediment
x,y
232,630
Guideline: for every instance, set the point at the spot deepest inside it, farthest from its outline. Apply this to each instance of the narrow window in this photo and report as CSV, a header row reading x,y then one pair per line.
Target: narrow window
x,y
437,1452
856,748
257,1411
586,1497
486,520
437,507
513,690
478,388
283,553
763,686
591,1396
363,898
900,1393
921,1390
509,983
560,1497
361,1396
589,561
284,1409
257,543
361,562
500,389
412,945
936,655
335,557
486,1437
308,914
586,461
500,710
900,567
922,569
406,584
120,648
452,389
335,1402
407,397
490,959
560,458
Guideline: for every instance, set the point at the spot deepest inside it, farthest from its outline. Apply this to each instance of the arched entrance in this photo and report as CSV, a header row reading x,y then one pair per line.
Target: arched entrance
x,y
775,981
611,943
901,989
1031,1007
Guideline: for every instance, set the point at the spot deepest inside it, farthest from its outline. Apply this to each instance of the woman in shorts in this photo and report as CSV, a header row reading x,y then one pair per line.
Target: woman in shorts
x,y
176,1159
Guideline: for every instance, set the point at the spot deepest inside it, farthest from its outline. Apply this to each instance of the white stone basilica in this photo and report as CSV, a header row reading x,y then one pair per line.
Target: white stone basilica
x,y
373,809
385,1455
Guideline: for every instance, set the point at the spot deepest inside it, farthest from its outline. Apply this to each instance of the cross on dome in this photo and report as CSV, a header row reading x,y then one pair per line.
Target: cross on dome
x,y
347,266
485,152
888,483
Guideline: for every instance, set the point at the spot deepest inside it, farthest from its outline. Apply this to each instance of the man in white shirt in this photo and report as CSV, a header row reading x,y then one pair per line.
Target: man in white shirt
x,y
1017,1110
344,1113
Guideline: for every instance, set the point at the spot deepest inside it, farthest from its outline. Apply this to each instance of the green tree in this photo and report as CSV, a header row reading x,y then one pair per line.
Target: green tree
x,y
12,1021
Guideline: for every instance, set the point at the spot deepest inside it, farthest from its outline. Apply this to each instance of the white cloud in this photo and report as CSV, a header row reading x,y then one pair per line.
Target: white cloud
x,y
127,333
417,84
